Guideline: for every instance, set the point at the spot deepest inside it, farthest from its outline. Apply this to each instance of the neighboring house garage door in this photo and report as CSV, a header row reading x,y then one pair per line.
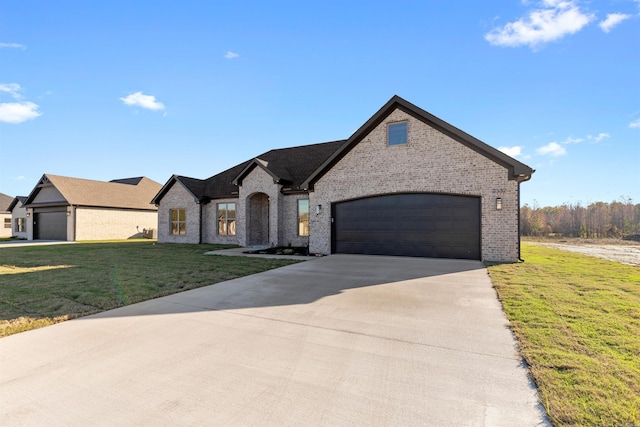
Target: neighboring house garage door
x,y
50,225
413,224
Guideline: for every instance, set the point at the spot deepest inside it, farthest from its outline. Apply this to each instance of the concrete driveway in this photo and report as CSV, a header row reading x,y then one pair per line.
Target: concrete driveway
x,y
339,340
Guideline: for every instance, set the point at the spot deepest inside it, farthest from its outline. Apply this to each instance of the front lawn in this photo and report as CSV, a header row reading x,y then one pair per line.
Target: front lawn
x,y
41,285
577,321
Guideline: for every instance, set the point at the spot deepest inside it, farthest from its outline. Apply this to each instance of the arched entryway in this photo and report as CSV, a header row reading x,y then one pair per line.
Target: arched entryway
x,y
258,220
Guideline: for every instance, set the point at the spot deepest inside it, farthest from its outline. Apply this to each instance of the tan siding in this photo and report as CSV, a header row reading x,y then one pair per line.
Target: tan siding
x,y
5,232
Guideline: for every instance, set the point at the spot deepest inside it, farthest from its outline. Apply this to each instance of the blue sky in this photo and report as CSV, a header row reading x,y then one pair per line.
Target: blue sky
x,y
112,89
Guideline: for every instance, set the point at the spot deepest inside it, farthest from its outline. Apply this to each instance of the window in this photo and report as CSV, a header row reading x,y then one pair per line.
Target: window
x,y
21,225
7,223
397,133
178,221
303,217
227,219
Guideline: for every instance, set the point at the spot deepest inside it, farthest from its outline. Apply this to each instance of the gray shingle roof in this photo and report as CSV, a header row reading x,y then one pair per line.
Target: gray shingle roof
x,y
290,166
17,201
85,192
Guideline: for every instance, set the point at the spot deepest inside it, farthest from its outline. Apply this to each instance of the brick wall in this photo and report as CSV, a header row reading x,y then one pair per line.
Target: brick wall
x,y
105,223
179,197
289,221
210,223
430,162
258,181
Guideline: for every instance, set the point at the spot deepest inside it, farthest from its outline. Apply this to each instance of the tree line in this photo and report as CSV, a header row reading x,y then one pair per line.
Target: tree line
x,y
618,219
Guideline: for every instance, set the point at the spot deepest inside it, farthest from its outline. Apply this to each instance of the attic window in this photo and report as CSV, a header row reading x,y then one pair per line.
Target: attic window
x,y
397,133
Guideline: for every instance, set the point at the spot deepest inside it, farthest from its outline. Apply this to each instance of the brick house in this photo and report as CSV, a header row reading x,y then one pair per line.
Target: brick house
x,y
5,215
19,217
64,208
405,183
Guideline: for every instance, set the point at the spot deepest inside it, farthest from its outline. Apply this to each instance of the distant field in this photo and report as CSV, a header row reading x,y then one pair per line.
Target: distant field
x,y
42,285
577,321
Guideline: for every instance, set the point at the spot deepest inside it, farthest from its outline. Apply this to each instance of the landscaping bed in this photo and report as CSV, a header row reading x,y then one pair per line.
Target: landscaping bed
x,y
282,250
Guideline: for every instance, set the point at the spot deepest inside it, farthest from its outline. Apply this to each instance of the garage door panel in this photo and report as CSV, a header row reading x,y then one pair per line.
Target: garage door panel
x,y
416,224
50,225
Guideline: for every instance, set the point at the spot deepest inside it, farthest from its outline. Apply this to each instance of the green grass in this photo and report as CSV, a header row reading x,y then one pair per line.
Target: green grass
x,y
41,285
577,321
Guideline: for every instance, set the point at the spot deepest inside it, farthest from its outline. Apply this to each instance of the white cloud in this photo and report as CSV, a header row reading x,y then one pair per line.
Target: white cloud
x,y
511,151
18,112
139,99
571,140
635,124
599,137
552,20
12,46
12,89
612,20
552,149
231,55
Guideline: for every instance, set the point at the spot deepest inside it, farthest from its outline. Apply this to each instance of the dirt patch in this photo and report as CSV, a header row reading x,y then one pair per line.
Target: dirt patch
x,y
622,252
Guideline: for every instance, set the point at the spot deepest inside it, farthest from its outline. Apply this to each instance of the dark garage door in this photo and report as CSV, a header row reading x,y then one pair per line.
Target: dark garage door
x,y
50,225
415,224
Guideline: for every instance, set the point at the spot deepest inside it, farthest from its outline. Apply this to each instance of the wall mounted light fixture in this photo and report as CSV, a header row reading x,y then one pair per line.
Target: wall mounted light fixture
x,y
498,204
318,209
28,214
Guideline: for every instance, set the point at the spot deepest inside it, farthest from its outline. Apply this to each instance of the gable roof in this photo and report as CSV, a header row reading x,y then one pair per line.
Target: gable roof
x,y
517,171
85,192
5,201
15,201
298,168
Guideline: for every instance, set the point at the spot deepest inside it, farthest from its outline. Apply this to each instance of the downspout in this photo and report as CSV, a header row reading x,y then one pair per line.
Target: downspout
x,y
519,243
75,221
200,224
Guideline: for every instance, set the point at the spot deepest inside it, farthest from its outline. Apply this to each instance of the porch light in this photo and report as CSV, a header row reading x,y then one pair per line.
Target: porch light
x,y
28,214
498,204
318,209
68,213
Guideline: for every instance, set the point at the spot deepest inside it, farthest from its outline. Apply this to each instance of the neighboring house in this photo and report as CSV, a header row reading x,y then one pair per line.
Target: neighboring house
x,y
19,217
5,215
405,183
63,208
